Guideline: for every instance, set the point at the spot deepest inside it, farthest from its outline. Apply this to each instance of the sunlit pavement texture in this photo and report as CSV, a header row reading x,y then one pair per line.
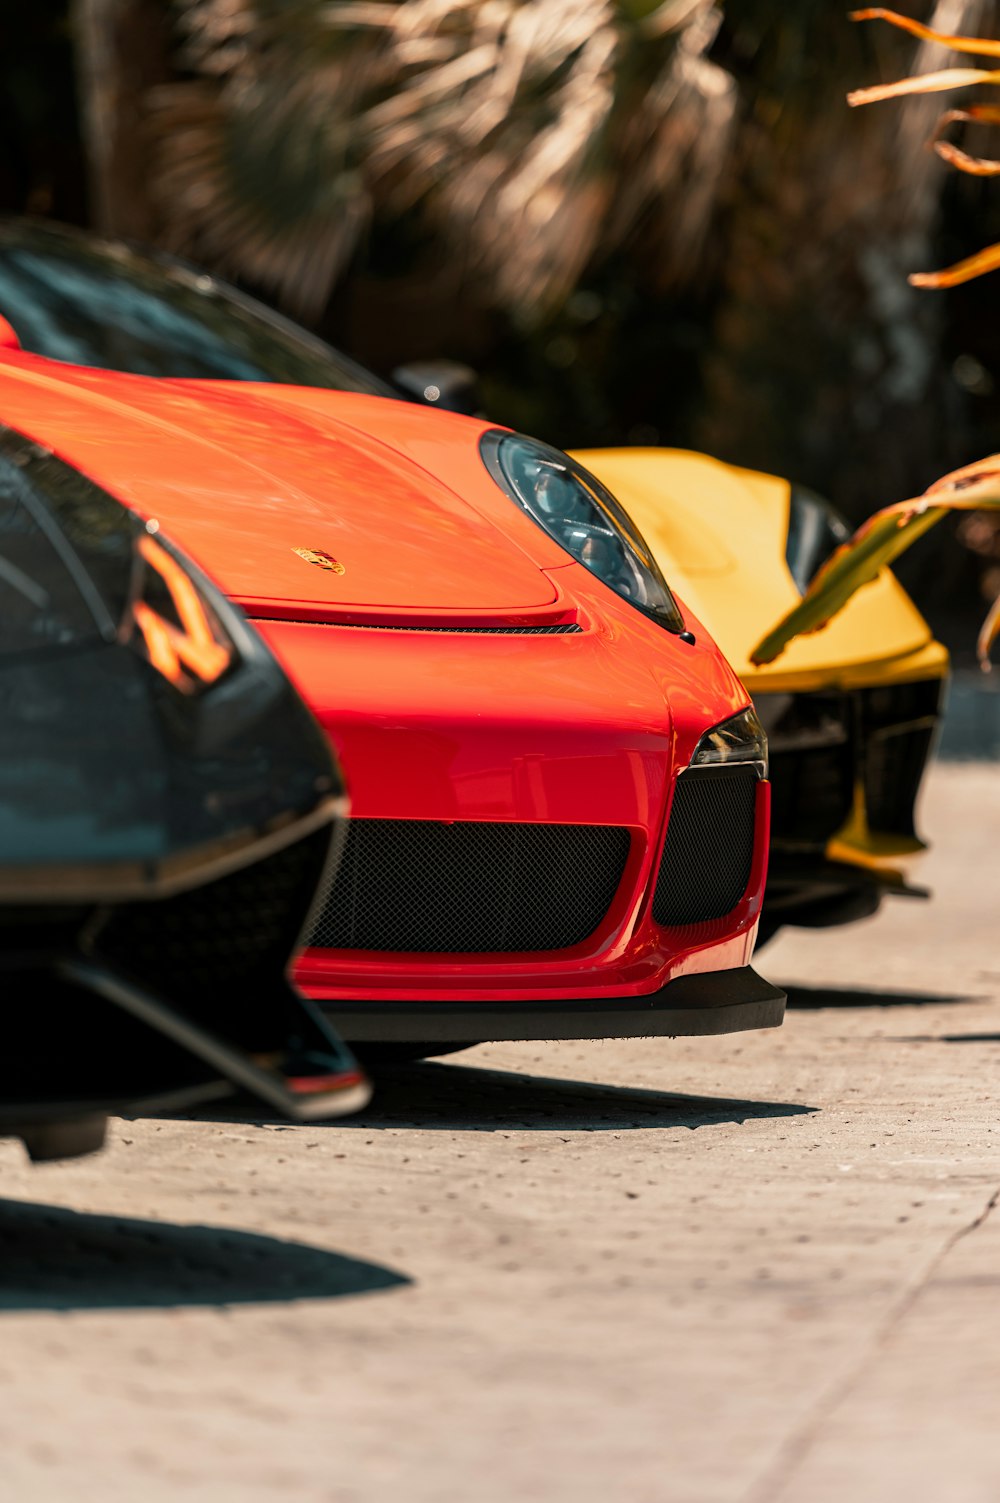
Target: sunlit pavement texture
x,y
755,1269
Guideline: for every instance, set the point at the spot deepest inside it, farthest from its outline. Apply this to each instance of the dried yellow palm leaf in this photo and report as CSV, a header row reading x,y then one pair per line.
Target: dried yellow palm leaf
x,y
925,83
972,486
963,271
876,544
988,633
985,260
961,160
890,532
974,114
976,46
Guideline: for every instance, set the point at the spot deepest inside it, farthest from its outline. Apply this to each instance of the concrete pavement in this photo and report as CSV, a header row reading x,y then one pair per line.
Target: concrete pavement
x,y
746,1270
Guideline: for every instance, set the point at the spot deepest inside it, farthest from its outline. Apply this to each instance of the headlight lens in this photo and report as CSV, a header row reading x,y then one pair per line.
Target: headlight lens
x,y
178,629
580,514
77,567
815,530
52,597
740,739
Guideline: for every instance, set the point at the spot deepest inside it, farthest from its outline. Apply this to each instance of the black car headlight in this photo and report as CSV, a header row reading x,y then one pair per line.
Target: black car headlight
x,y
222,676
815,530
583,517
177,618
78,568
49,601
738,740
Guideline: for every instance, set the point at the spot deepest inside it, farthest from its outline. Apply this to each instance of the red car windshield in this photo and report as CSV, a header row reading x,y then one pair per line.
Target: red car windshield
x,y
72,297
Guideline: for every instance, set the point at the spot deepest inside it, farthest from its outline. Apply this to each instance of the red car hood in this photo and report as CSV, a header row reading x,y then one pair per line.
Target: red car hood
x,y
294,511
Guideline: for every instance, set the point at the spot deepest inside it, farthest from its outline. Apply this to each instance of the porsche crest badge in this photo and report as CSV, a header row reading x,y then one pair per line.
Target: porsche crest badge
x,y
320,559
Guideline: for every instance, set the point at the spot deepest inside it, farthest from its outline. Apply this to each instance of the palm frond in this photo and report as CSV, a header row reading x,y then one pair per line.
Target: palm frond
x,y
517,127
942,81
963,271
924,83
964,161
976,46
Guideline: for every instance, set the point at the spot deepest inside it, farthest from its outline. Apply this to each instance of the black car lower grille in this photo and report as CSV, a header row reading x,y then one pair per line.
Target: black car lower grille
x,y
708,852
822,745
893,770
813,794
899,724
812,768
467,887
217,953
224,937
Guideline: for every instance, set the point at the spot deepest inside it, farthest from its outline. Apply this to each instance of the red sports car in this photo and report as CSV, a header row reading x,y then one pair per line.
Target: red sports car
x,y
559,787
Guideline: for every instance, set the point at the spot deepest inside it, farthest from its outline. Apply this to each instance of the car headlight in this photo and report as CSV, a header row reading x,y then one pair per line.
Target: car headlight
x,y
580,514
739,740
77,568
177,618
815,530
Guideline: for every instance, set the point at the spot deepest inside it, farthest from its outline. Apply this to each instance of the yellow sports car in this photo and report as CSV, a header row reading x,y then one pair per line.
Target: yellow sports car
x,y
850,712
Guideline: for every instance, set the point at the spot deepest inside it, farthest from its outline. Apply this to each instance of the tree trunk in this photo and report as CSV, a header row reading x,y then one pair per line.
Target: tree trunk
x,y
824,361
122,50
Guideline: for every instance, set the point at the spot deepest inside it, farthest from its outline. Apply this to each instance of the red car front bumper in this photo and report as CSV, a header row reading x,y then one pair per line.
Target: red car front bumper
x,y
447,737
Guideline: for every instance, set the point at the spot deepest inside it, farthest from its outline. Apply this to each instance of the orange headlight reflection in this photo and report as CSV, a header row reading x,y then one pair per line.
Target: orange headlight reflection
x,y
192,655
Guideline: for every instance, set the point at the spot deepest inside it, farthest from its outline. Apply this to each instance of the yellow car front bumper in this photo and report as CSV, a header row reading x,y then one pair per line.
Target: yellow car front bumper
x,y
850,711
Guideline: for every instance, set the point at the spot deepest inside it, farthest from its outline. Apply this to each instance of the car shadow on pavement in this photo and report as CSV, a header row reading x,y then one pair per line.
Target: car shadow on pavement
x,y
827,996
56,1259
439,1096
450,1097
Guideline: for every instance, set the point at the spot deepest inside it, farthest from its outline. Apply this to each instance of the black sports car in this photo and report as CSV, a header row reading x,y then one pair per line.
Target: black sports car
x,y
167,805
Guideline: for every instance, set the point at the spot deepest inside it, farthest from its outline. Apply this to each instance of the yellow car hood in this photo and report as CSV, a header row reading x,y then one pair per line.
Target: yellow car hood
x,y
719,535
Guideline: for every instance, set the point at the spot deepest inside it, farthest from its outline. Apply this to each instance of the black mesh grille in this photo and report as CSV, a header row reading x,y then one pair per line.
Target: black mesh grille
x,y
225,936
470,887
708,851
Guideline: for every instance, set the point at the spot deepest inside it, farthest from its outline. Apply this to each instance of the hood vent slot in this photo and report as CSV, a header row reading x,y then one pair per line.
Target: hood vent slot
x,y
560,629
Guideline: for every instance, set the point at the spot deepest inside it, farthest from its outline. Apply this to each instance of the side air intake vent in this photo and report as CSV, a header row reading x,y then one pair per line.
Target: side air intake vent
x,y
708,851
470,887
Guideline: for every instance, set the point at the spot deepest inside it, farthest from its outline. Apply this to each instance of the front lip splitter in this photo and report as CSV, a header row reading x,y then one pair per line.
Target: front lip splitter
x,y
710,1002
